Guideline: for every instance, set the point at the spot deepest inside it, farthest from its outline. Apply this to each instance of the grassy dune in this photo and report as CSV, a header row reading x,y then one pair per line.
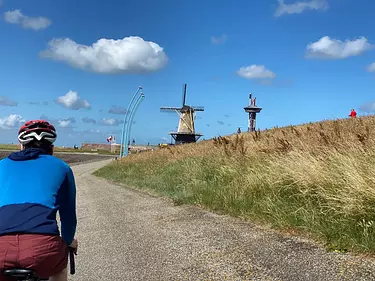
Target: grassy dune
x,y
315,179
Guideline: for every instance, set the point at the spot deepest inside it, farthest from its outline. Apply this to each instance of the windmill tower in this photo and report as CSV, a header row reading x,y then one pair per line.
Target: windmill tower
x,y
186,128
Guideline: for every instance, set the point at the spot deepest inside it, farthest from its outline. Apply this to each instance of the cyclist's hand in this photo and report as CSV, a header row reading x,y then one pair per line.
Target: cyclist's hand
x,y
74,245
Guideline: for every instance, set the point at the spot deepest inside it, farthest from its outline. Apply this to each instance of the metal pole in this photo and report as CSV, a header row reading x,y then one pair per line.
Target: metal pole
x,y
139,100
127,132
126,139
125,117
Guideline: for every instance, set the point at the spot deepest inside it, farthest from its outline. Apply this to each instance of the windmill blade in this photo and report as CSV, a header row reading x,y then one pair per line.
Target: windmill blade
x,y
184,94
169,112
169,108
198,108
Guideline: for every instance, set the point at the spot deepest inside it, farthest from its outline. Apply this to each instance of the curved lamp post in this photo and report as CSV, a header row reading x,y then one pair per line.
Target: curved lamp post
x,y
125,118
139,100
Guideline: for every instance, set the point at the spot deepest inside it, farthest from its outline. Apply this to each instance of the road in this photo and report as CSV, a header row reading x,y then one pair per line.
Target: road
x,y
128,235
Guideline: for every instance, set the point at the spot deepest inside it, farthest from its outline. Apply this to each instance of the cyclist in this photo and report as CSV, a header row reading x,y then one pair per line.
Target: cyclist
x,y
34,185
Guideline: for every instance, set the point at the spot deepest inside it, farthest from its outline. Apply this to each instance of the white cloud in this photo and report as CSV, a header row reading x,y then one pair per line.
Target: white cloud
x,y
7,102
255,72
62,122
72,100
88,120
35,23
301,6
219,39
11,121
117,110
66,123
110,122
127,55
371,67
337,49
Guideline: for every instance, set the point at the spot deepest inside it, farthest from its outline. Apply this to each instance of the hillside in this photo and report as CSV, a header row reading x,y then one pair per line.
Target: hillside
x,y
315,179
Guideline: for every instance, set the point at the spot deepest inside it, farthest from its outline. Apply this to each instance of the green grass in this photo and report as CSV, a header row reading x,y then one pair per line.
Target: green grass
x,y
11,147
325,192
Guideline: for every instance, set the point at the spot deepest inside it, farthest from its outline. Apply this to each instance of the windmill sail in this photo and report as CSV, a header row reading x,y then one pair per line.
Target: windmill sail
x,y
184,95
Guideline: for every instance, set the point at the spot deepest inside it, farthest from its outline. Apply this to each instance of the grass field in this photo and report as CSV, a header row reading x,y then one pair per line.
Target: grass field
x,y
316,180
10,147
60,149
70,158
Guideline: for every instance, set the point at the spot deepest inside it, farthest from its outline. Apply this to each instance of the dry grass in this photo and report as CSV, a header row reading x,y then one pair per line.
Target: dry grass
x,y
316,178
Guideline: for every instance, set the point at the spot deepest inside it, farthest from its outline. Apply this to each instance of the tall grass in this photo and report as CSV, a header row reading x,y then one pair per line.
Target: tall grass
x,y
317,179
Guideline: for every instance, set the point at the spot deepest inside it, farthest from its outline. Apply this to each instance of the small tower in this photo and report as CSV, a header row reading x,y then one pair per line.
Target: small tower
x,y
252,109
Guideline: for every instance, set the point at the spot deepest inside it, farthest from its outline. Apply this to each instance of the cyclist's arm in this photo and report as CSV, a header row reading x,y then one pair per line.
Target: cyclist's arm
x,y
67,210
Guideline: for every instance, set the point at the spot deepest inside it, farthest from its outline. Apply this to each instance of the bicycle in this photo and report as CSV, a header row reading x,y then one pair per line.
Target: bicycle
x,y
23,274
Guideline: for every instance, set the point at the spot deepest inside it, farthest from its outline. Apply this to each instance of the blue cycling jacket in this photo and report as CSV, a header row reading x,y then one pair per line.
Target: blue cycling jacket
x,y
33,187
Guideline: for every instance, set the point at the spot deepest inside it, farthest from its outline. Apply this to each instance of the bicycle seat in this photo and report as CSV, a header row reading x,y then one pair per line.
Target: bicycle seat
x,y
19,273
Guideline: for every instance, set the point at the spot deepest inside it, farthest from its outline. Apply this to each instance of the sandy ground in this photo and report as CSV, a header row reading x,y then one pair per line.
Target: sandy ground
x,y
128,235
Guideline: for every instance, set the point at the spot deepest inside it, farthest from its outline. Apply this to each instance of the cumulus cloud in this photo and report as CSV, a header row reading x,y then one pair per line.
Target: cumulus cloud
x,y
336,49
300,6
7,102
71,100
35,23
127,55
110,122
66,123
88,120
117,110
255,72
219,39
11,121
371,67
59,122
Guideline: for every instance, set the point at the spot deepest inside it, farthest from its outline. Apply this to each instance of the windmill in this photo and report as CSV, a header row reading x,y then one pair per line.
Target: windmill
x,y
186,128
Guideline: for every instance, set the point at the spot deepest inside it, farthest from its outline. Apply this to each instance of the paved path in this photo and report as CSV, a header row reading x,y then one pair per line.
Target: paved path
x,y
127,235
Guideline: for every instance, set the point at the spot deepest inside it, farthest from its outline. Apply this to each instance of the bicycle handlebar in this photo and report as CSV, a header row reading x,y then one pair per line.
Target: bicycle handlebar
x,y
72,261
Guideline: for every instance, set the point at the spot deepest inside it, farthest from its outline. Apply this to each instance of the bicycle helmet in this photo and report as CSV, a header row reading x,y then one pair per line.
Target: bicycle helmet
x,y
37,130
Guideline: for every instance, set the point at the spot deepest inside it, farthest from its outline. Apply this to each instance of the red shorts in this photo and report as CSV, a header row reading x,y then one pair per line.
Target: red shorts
x,y
46,255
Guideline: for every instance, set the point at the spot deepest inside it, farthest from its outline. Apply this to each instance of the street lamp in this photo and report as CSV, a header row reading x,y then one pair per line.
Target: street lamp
x,y
139,100
125,118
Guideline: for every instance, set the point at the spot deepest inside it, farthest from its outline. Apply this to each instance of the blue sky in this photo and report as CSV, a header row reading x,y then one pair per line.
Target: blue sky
x,y
68,60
